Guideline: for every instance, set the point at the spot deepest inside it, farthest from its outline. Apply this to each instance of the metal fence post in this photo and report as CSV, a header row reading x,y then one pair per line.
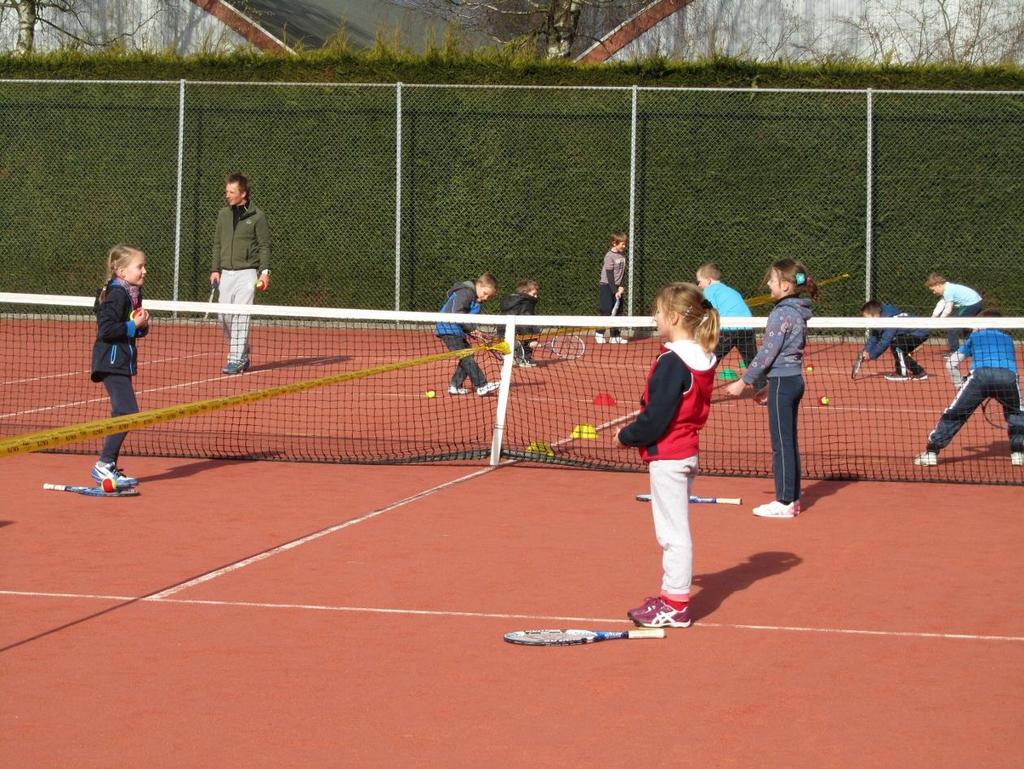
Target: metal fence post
x,y
177,196
869,195
398,196
632,197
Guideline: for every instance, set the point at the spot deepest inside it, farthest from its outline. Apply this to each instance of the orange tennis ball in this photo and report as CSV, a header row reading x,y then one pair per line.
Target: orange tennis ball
x,y
109,485
824,401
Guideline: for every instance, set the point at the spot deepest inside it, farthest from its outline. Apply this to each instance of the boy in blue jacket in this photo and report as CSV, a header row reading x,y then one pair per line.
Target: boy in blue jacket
x,y
900,341
466,297
993,375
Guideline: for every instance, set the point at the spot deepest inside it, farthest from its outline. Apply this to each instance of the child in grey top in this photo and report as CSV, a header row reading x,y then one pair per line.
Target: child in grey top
x,y
779,364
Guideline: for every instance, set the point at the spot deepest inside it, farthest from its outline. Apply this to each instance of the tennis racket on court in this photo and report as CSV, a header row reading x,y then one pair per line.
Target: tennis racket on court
x,y
92,491
700,500
563,347
576,637
855,369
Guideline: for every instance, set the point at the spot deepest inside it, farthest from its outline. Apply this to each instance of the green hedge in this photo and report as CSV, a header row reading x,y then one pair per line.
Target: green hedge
x,y
520,182
449,65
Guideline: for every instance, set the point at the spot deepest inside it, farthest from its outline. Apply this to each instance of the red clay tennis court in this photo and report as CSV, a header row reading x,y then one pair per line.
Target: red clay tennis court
x,y
295,614
278,615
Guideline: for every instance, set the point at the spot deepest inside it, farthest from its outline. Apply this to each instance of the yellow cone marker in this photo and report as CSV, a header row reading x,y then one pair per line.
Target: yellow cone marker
x,y
540,447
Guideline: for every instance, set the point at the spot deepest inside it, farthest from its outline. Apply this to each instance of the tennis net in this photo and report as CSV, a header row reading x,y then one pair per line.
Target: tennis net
x,y
361,386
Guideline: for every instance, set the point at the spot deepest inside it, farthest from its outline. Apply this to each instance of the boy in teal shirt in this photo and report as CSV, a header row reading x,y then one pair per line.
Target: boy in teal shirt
x,y
729,303
961,301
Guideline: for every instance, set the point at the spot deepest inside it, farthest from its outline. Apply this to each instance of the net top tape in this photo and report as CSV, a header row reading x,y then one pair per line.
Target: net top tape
x,y
340,315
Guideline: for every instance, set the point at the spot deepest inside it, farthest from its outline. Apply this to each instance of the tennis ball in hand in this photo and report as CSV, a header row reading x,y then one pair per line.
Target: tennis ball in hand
x,y
261,285
824,401
430,394
109,485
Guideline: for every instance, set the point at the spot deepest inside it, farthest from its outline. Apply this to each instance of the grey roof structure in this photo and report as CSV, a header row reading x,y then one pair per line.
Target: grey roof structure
x,y
311,23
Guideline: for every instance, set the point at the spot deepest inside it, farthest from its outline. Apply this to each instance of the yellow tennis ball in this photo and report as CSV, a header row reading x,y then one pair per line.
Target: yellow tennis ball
x,y
824,400
810,369
430,394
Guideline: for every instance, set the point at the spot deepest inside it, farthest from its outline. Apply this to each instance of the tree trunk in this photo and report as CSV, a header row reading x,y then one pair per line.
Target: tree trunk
x,y
26,26
563,18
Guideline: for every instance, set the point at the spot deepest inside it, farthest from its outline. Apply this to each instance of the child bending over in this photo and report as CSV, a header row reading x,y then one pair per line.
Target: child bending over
x,y
961,301
523,302
466,297
993,375
901,341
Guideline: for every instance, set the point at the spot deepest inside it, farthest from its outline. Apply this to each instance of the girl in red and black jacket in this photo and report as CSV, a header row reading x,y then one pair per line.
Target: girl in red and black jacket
x,y
120,320
675,407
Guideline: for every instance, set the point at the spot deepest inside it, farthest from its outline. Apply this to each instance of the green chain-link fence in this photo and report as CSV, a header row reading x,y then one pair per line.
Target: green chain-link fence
x,y
381,196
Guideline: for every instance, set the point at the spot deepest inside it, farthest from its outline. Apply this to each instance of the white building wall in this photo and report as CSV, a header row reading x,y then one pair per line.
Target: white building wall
x,y
899,31
138,25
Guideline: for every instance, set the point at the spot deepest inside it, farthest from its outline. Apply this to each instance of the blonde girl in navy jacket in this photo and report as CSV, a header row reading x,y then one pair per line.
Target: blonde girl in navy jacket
x,y
120,320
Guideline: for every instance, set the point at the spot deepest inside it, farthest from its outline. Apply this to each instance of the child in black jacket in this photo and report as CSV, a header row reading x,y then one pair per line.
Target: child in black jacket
x,y
523,302
120,320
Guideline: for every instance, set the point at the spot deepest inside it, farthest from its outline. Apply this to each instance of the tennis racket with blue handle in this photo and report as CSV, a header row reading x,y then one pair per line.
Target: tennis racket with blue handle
x,y
700,500
92,491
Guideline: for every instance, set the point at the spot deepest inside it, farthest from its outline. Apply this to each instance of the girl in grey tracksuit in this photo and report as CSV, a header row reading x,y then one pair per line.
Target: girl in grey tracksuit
x,y
779,365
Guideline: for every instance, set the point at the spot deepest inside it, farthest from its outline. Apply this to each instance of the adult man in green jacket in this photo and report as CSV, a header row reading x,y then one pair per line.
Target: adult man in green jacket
x,y
241,264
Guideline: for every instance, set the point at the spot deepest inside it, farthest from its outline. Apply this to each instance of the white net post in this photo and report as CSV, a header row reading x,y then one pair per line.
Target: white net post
x,y
503,391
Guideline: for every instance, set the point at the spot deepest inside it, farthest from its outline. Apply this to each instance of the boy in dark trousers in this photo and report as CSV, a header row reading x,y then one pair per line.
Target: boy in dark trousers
x,y
466,297
993,375
901,341
523,302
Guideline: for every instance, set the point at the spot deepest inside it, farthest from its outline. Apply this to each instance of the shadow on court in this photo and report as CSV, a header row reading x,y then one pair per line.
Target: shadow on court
x,y
186,470
998,450
719,585
301,362
815,491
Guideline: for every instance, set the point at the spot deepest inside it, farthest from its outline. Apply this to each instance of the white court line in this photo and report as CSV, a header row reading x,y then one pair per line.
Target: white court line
x,y
545,619
177,386
86,372
54,408
316,535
